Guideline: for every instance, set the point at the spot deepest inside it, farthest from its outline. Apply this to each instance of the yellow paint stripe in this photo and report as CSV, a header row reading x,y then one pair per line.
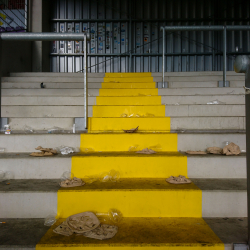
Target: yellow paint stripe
x,y
118,75
129,79
146,203
129,111
128,92
125,142
128,85
127,100
130,165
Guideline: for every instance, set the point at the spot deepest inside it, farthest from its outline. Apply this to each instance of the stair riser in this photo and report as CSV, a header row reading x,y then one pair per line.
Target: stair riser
x,y
128,85
207,123
28,204
128,92
130,167
152,100
141,79
41,204
136,203
197,167
128,142
132,111
94,83
118,124
28,142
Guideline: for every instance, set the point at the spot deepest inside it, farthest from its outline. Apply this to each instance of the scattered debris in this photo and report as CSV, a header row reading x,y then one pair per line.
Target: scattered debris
x,y
66,150
132,130
44,152
215,102
190,152
50,220
231,149
146,151
112,176
214,150
247,90
2,222
75,182
102,232
178,180
88,225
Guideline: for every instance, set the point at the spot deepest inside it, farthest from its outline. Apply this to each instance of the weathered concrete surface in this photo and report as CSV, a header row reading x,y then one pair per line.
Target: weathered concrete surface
x,y
26,233
21,233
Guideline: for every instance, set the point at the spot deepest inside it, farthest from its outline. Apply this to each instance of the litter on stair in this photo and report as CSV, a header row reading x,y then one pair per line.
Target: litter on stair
x,y
132,130
230,149
146,151
44,152
214,150
88,225
112,176
178,180
75,182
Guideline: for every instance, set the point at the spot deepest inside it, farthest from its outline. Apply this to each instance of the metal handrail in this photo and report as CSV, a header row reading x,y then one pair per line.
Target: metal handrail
x,y
202,28
242,65
52,36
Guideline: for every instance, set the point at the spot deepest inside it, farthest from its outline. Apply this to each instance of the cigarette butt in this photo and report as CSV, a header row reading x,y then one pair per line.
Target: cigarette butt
x,y
2,222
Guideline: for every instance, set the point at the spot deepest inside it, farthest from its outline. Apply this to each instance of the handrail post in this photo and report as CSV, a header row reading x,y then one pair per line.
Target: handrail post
x,y
163,58
85,70
242,65
224,56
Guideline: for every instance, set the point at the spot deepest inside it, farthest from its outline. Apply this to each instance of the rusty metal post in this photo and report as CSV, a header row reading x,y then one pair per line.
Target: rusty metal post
x,y
242,65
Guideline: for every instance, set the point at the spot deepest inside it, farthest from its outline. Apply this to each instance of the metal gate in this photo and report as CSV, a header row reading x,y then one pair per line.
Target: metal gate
x,y
126,37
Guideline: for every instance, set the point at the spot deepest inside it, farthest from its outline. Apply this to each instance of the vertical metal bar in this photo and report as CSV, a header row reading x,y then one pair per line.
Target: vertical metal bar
x,y
163,58
130,36
85,67
242,65
224,56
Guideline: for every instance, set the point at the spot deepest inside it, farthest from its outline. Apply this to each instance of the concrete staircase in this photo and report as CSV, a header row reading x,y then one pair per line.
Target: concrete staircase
x,y
156,214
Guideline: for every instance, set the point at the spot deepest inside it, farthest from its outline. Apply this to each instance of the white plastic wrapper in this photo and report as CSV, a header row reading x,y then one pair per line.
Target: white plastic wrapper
x,y
67,150
50,220
215,102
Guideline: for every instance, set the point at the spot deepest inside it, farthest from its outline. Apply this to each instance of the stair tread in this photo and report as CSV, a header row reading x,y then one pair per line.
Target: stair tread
x,y
14,232
128,184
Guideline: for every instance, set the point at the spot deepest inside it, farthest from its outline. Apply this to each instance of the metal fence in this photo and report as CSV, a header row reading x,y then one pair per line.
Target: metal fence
x,y
126,37
13,15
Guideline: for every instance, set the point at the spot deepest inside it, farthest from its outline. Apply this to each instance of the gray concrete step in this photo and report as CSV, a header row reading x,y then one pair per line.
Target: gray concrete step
x,y
53,74
78,111
38,198
186,141
44,111
46,100
177,123
195,99
51,85
201,91
24,166
198,73
14,232
202,123
48,92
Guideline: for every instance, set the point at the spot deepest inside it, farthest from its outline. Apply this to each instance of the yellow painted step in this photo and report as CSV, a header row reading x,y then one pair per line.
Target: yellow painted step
x,y
129,111
129,79
128,85
128,100
128,74
128,92
133,197
130,165
142,234
128,142
96,124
